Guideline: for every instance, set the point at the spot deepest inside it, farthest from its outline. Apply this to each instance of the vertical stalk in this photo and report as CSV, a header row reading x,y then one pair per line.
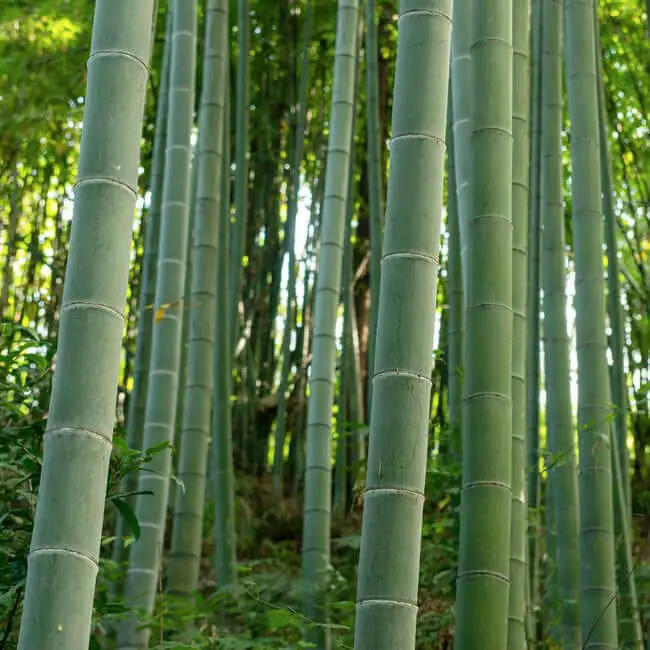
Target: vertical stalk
x,y
238,231
342,421
562,475
455,332
356,416
345,382
533,320
375,179
65,547
614,307
138,397
222,460
520,180
304,341
290,243
185,556
317,503
629,620
185,320
462,101
387,591
551,599
486,501
160,415
598,581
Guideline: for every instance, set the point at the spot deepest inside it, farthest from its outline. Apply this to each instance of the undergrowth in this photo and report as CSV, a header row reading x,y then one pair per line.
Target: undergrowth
x,y
263,609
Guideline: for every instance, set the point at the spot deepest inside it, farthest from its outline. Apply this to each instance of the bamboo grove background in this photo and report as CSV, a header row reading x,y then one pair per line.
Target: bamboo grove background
x,y
291,155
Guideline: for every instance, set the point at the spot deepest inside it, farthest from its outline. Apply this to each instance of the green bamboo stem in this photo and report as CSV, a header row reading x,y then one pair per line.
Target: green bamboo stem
x,y
317,502
64,553
242,155
185,556
387,591
533,321
486,501
303,344
461,87
151,509
290,243
138,397
629,620
375,179
455,325
520,179
185,323
562,472
341,467
598,581
223,478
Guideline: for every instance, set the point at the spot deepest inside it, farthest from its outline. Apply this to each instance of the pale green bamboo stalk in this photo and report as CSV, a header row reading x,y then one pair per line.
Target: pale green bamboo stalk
x,y
223,478
355,441
533,319
631,631
185,556
341,467
629,619
64,554
520,178
387,591
356,412
559,419
146,554
463,94
598,581
317,501
185,322
375,180
351,432
486,500
304,336
138,397
615,309
242,154
290,238
455,333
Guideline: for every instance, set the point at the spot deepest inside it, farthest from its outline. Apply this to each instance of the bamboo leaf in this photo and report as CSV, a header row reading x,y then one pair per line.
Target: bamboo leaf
x,y
279,618
129,516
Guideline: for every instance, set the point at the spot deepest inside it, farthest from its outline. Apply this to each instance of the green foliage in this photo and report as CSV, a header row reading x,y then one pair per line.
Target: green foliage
x,y
25,377
262,611
24,385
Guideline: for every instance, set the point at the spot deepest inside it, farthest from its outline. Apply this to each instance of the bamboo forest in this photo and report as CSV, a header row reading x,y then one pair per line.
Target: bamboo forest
x,y
324,324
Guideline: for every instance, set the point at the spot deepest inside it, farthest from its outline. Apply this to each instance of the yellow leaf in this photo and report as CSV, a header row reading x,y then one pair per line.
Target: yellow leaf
x,y
160,312
628,157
